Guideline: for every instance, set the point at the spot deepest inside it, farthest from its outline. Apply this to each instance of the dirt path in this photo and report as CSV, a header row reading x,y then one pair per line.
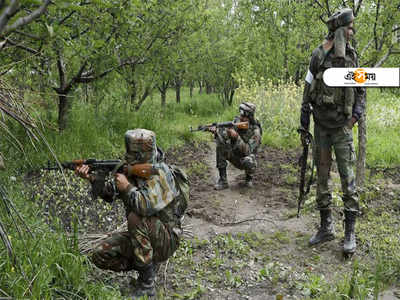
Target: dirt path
x,y
247,243
238,209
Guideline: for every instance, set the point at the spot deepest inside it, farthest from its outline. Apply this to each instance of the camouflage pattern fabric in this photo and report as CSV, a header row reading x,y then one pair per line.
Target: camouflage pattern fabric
x,y
332,109
241,152
341,140
153,209
147,240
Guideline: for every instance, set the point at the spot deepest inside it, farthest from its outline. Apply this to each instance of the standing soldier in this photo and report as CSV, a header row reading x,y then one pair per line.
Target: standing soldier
x,y
335,111
154,207
238,146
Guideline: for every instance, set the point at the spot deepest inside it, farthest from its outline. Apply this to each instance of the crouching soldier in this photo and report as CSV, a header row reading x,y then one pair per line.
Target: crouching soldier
x,y
154,208
238,146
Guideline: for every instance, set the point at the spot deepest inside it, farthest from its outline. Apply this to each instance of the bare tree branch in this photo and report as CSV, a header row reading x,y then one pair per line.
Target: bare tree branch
x,y
376,23
28,49
27,19
89,77
384,58
358,8
366,47
8,13
66,17
29,35
327,7
319,4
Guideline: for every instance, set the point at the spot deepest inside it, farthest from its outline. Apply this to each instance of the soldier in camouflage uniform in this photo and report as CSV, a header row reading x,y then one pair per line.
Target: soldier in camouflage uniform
x,y
238,147
335,111
154,208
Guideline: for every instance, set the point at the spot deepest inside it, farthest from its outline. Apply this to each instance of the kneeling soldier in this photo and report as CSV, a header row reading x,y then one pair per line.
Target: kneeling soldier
x,y
238,146
154,207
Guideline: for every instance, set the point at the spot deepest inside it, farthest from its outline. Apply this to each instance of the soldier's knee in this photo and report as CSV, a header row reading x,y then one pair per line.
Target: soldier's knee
x,y
249,162
134,221
99,257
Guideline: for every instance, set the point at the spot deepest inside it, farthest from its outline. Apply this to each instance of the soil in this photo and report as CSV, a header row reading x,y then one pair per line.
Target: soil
x,y
242,243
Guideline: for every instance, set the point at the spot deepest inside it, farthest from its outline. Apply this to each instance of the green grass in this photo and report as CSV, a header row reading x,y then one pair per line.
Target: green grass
x,y
49,263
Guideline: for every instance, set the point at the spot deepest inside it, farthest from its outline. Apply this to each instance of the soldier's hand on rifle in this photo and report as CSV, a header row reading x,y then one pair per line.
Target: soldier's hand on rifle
x,y
304,138
82,171
121,181
213,129
232,133
352,121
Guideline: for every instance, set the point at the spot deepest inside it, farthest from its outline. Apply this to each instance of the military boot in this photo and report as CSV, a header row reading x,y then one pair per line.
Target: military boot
x,y
349,245
326,231
222,181
145,284
248,181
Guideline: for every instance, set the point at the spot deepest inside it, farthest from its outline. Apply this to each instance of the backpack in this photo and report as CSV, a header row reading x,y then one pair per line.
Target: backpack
x,y
182,184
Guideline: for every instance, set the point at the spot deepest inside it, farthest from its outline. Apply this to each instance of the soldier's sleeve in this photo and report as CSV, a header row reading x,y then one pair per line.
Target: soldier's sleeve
x,y
151,198
359,99
251,146
305,111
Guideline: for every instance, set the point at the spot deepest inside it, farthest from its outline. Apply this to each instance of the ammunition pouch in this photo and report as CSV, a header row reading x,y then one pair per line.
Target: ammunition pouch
x,y
336,103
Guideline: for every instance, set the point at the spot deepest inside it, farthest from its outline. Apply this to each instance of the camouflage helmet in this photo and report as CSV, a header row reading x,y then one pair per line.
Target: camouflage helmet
x,y
340,18
247,109
140,146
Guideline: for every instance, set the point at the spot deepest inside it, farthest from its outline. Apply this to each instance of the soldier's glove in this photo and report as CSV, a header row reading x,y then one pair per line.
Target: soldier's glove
x,y
304,136
351,123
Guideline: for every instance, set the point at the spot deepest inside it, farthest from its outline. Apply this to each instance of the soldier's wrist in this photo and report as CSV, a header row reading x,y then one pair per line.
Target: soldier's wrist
x,y
91,178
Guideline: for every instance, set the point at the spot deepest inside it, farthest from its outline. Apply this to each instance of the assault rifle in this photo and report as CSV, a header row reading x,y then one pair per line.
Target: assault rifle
x,y
238,125
303,191
107,166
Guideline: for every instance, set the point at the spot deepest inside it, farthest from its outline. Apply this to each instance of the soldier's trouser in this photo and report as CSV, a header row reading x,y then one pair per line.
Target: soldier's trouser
x,y
225,153
147,240
341,140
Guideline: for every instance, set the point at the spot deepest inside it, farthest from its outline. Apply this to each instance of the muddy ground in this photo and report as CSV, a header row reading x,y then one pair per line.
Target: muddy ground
x,y
241,243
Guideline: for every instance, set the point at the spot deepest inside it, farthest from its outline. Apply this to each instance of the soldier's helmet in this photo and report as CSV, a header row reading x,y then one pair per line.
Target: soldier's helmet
x,y
247,109
340,18
140,146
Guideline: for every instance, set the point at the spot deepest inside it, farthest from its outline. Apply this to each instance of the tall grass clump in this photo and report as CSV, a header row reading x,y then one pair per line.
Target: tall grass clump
x,y
278,109
383,127
47,263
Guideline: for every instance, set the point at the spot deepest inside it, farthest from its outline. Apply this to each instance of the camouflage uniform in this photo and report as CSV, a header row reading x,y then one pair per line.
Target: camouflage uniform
x,y
154,208
242,151
333,110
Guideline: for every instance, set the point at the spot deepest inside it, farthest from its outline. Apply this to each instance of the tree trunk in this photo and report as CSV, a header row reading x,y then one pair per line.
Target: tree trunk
x,y
178,84
191,87
200,87
143,98
163,93
63,109
208,88
362,147
133,94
